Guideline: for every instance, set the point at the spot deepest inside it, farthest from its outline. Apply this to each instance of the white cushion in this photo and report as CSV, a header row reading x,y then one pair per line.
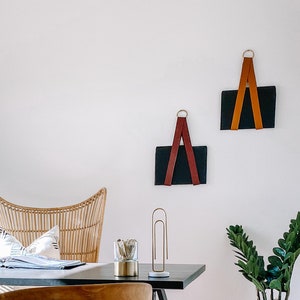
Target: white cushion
x,y
9,245
45,245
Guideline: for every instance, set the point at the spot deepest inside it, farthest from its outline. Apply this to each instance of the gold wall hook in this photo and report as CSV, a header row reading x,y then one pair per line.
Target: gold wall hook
x,y
248,51
182,112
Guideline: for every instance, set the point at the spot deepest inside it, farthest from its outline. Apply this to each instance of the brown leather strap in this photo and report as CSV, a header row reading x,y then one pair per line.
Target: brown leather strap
x,y
182,131
247,76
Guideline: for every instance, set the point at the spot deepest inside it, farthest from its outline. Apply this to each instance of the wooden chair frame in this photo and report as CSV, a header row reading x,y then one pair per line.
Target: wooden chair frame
x,y
80,225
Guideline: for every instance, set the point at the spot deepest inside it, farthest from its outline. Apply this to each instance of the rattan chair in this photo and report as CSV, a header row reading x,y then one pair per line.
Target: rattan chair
x,y
80,225
110,291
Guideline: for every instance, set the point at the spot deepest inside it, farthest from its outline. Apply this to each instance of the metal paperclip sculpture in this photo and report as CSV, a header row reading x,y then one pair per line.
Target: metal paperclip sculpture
x,y
159,272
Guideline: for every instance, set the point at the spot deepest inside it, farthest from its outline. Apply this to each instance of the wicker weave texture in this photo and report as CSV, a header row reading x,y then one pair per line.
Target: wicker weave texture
x,y
80,225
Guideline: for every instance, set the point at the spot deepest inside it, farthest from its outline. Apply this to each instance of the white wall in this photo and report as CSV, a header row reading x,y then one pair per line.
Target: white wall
x,y
89,88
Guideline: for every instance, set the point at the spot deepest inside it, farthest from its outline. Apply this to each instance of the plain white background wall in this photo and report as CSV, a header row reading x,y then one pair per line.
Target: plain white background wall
x,y
89,88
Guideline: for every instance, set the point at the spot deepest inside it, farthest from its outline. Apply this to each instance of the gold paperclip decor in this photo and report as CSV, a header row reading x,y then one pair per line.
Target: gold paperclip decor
x,y
159,227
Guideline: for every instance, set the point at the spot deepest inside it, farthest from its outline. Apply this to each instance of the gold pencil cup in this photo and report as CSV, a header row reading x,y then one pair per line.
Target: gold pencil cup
x,y
126,268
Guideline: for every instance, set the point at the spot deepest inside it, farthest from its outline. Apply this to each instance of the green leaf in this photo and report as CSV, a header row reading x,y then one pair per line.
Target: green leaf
x,y
258,284
281,243
275,261
298,218
276,284
290,258
288,246
291,237
279,252
243,266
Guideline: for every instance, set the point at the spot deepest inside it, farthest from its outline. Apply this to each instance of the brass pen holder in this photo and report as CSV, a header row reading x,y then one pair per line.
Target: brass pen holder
x,y
126,268
126,258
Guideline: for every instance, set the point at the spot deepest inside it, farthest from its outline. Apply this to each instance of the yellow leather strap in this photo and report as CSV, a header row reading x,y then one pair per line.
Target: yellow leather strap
x,y
247,76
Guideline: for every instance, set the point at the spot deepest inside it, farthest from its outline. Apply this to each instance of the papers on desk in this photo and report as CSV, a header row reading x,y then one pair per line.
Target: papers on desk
x,y
38,262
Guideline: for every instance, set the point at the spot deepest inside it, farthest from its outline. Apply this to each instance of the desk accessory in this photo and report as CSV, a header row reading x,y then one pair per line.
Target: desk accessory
x,y
156,221
180,164
248,107
126,258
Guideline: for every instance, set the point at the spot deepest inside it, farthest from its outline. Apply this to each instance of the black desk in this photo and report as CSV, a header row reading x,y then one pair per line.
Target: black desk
x,y
181,275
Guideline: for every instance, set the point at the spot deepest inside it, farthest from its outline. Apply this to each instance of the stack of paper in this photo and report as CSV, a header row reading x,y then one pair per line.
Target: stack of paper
x,y
38,262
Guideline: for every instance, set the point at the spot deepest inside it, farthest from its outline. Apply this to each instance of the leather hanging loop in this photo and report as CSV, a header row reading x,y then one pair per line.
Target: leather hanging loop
x,y
247,76
182,131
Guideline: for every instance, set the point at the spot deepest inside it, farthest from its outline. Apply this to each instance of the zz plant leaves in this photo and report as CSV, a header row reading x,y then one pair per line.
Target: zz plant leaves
x,y
277,274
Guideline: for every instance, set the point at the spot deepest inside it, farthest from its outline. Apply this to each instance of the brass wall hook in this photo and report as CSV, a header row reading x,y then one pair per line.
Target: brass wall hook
x,y
249,52
182,112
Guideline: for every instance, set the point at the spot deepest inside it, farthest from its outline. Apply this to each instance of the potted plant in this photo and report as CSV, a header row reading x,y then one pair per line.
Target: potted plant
x,y
272,282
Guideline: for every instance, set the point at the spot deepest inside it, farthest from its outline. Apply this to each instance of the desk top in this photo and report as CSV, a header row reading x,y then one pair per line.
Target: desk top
x,y
180,276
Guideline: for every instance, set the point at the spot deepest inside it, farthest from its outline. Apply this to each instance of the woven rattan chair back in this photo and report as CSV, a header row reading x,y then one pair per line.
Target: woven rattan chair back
x,y
110,291
80,225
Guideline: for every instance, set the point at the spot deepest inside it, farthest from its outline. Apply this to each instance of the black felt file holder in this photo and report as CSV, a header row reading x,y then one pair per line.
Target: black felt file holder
x,y
267,102
181,172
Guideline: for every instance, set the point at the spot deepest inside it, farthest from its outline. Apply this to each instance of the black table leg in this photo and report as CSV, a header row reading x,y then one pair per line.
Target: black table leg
x,y
161,294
